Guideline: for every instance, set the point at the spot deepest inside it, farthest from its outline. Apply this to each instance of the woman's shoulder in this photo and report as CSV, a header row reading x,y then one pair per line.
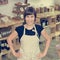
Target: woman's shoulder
x,y
39,27
19,28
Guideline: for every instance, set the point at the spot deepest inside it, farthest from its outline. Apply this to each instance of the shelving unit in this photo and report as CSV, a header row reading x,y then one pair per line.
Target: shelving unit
x,y
52,22
13,24
48,14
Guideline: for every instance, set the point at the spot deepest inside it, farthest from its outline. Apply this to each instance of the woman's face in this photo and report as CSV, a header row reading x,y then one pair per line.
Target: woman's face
x,y
30,19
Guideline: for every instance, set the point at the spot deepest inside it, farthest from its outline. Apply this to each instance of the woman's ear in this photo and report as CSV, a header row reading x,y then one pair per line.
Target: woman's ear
x,y
24,22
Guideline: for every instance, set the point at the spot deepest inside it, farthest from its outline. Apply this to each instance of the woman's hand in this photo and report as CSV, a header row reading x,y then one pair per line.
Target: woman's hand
x,y
17,54
41,55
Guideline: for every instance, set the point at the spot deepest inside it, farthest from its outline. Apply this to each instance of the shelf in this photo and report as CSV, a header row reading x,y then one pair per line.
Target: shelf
x,y
52,25
57,23
5,52
6,24
47,14
7,37
22,4
3,38
17,12
57,33
46,27
12,23
52,35
16,47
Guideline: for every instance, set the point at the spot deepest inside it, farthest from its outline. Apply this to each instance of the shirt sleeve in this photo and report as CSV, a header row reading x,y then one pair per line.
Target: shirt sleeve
x,y
19,30
39,29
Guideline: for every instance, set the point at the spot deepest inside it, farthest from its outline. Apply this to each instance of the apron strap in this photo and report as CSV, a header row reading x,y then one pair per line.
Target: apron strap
x,y
36,33
35,30
24,31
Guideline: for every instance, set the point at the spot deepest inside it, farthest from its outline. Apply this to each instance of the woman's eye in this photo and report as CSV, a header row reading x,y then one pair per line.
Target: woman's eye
x,y
27,16
32,16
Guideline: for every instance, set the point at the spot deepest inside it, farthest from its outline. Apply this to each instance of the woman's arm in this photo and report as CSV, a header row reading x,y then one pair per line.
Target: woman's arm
x,y
48,40
9,40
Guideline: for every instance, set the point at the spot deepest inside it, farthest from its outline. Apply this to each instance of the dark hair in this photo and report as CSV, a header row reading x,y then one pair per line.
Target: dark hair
x,y
29,11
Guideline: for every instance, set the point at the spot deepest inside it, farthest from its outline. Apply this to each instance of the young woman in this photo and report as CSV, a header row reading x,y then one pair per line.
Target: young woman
x,y
28,35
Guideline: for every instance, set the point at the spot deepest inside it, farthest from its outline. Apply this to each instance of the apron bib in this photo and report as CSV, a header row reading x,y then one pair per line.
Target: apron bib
x,y
29,47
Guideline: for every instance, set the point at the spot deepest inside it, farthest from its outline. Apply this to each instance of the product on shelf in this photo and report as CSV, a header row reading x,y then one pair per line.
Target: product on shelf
x,y
4,45
51,20
5,19
37,10
46,9
58,27
41,9
44,21
6,31
58,18
57,7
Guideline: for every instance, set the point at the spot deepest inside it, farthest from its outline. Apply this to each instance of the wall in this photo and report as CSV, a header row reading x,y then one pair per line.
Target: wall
x,y
57,2
7,9
41,3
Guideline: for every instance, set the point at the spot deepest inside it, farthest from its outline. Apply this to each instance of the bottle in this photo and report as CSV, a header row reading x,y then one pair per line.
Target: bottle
x,y
2,45
7,46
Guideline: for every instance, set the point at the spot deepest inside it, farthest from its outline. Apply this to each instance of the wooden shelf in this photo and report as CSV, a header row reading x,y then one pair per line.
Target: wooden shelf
x,y
12,23
5,52
57,23
52,35
47,14
57,33
46,27
17,12
22,4
52,25
3,38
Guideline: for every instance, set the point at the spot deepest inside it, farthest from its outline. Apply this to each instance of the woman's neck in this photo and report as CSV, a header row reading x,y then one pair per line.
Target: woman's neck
x,y
29,26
